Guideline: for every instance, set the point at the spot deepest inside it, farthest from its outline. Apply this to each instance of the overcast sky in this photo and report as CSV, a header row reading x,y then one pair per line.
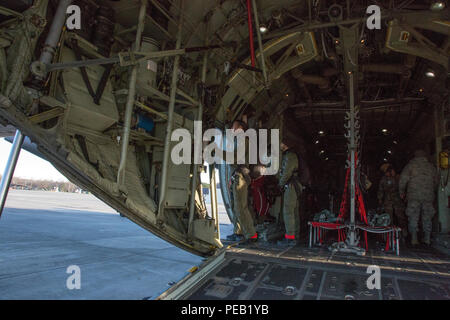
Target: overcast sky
x,y
32,167
29,166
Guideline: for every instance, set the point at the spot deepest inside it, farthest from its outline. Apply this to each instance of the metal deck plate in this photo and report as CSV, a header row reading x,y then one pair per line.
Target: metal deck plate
x,y
264,272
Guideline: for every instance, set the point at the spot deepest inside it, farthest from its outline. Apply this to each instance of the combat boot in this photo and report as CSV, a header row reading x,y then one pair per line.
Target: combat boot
x,y
414,241
235,237
427,238
252,239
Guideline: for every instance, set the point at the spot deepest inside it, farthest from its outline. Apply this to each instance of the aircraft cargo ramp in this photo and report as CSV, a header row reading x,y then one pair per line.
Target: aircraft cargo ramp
x,y
259,272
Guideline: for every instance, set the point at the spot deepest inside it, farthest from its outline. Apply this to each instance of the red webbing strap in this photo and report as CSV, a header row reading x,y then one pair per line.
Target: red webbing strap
x,y
326,224
344,196
358,194
361,207
290,237
250,32
341,235
365,238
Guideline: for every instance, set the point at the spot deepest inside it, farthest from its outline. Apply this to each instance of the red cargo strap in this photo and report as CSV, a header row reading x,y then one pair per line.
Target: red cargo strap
x,y
358,195
328,225
343,206
343,235
250,32
289,237
255,236
361,207
365,238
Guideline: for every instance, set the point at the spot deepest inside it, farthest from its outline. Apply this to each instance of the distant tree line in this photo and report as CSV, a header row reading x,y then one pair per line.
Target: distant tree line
x,y
45,185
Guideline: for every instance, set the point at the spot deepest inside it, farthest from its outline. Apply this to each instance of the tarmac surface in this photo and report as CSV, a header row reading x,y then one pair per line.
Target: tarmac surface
x,y
43,233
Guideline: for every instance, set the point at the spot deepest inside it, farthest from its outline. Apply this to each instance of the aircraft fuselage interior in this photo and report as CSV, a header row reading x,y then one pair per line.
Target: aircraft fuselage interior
x,y
335,77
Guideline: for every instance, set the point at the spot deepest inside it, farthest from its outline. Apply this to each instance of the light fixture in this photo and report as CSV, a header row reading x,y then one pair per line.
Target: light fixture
x,y
317,141
362,41
287,94
430,74
263,28
421,90
385,160
389,151
384,130
322,151
321,132
437,6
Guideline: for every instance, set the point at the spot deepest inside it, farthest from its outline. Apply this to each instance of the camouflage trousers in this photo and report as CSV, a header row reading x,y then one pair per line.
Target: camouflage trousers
x,y
290,211
243,220
396,210
413,212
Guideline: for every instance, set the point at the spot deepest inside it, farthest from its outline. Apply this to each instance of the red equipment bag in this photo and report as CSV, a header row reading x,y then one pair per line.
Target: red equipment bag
x,y
260,201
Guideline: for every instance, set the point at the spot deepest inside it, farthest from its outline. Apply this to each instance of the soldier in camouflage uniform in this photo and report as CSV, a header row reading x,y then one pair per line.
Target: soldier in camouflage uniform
x,y
389,198
288,181
240,182
418,182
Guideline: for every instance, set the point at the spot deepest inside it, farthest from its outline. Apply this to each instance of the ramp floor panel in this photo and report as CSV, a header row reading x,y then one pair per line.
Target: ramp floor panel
x,y
260,271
